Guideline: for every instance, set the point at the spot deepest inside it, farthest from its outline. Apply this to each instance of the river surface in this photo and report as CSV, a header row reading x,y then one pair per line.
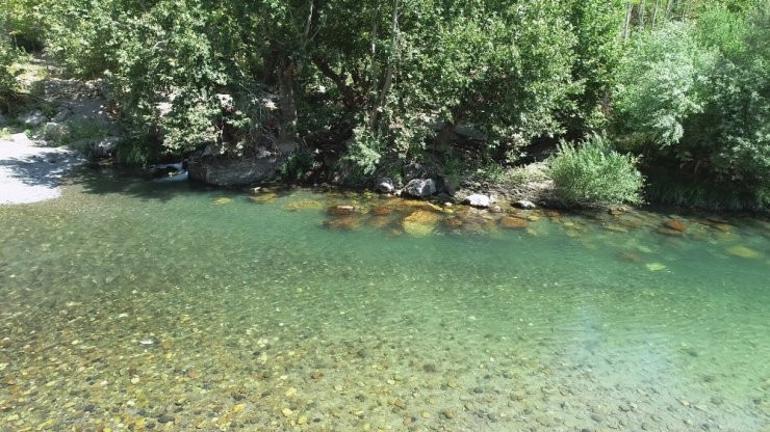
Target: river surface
x,y
129,305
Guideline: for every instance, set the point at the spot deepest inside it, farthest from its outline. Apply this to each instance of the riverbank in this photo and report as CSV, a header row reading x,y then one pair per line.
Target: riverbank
x,y
31,172
80,116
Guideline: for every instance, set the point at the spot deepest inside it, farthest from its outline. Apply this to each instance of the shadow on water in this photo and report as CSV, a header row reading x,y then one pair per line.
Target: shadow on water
x,y
137,183
133,183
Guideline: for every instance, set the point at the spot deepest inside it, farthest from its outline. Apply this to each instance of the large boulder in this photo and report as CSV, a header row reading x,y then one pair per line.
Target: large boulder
x,y
224,171
385,185
525,204
479,200
420,188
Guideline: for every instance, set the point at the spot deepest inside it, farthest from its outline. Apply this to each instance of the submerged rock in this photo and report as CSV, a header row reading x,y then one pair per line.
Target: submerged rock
x,y
669,232
420,223
344,223
510,222
743,252
264,198
305,204
675,225
382,210
341,210
420,188
379,222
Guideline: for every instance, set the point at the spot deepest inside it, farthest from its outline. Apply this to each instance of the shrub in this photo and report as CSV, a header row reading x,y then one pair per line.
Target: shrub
x,y
697,97
663,82
7,79
592,173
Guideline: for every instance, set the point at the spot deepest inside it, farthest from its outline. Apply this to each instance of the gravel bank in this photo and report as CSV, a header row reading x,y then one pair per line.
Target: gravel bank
x,y
30,173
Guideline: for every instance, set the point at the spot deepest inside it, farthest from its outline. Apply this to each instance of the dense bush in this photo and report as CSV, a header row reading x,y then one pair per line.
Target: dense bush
x,y
696,97
387,76
591,172
7,80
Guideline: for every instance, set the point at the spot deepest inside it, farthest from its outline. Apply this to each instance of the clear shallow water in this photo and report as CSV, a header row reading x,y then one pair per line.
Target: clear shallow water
x,y
134,306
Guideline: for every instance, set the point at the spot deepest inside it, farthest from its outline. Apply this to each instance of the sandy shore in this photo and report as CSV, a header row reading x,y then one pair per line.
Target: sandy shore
x,y
30,173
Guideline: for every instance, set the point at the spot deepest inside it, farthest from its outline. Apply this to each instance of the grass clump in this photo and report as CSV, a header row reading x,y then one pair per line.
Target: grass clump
x,y
592,173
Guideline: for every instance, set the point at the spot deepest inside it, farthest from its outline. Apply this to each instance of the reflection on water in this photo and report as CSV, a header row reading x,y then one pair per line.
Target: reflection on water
x,y
125,308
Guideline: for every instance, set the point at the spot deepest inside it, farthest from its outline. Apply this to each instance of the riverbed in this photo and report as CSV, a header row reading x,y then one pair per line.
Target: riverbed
x,y
132,305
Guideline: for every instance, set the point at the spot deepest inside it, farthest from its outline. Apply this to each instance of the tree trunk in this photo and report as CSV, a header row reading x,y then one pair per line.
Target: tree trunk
x,y
288,106
627,23
388,79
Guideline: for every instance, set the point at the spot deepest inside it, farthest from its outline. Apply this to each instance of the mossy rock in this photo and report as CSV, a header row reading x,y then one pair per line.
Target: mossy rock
x,y
421,223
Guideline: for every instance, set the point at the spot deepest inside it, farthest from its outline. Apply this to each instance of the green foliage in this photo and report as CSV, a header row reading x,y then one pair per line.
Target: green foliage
x,y
8,55
7,79
22,21
597,56
663,80
297,166
593,173
697,96
365,151
374,85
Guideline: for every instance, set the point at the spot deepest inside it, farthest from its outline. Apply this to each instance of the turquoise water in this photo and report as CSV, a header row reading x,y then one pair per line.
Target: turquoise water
x,y
128,305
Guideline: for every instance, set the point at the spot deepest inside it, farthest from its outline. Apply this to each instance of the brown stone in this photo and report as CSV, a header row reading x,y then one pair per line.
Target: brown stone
x,y
454,222
669,232
676,225
420,223
510,222
382,210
